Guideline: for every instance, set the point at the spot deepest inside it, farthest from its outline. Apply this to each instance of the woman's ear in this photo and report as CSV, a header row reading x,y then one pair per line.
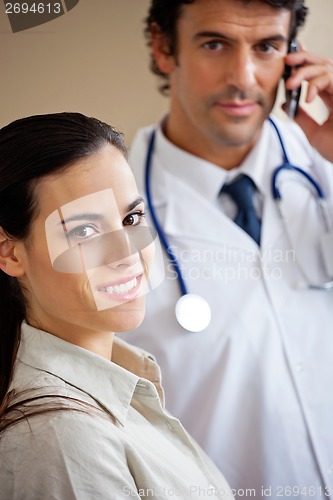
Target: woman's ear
x,y
161,50
10,263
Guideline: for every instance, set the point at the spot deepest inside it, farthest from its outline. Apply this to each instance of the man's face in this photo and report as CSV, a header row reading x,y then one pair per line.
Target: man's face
x,y
225,73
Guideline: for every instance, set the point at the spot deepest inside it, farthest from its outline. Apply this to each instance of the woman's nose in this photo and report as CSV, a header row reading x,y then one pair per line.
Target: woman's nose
x,y
121,254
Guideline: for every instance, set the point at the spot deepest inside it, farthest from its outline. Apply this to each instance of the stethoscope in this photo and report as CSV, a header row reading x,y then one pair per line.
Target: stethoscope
x,y
192,311
319,195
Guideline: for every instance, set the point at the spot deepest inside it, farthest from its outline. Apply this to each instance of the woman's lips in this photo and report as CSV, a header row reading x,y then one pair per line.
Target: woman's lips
x,y
122,290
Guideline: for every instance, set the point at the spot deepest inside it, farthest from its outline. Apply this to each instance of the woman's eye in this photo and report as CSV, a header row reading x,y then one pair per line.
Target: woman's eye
x,y
133,219
83,232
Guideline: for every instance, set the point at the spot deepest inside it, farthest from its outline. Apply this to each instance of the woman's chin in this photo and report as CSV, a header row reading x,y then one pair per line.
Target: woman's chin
x,y
128,316
129,324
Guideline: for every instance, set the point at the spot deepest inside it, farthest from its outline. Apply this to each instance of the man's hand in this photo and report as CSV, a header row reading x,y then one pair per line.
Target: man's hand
x,y
318,72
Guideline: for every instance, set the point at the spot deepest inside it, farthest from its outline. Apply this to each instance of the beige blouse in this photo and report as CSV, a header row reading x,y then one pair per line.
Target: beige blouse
x,y
122,444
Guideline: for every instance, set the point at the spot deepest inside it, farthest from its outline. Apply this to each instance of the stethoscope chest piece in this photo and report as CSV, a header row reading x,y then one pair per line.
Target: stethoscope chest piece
x,y
193,312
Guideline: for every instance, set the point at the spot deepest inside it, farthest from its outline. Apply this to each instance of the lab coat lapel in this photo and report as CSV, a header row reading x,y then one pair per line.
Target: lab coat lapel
x,y
203,221
298,204
271,225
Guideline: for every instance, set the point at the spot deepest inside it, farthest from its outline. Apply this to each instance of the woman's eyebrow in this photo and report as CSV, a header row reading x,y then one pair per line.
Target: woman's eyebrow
x,y
92,216
82,216
134,204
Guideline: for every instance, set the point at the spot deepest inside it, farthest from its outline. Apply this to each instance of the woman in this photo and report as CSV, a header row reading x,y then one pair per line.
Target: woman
x,y
82,413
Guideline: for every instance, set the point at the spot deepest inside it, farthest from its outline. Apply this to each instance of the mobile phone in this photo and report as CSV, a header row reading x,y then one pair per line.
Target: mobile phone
x,y
292,96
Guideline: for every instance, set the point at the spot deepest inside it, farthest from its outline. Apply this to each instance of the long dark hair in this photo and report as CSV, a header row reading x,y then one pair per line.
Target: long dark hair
x,y
166,13
31,148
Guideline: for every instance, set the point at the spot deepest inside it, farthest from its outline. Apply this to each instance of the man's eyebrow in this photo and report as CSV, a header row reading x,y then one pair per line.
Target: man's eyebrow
x,y
134,204
211,34
273,38
222,36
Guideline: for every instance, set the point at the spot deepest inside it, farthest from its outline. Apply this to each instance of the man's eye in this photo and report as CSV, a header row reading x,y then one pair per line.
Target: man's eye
x,y
214,45
133,219
266,48
83,232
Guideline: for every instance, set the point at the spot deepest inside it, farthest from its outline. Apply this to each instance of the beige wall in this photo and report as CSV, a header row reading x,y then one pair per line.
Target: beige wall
x,y
93,60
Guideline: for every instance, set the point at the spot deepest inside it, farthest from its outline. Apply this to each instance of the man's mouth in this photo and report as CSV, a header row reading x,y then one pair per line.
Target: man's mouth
x,y
238,108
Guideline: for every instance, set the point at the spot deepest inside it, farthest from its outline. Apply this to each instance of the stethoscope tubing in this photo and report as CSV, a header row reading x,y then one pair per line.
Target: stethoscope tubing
x,y
276,194
288,166
160,232
321,200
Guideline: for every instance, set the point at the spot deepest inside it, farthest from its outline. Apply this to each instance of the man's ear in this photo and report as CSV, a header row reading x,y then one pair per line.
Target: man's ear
x,y
161,50
10,262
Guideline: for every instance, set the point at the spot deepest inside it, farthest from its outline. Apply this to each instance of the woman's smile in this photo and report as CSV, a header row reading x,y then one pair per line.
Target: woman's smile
x,y
123,290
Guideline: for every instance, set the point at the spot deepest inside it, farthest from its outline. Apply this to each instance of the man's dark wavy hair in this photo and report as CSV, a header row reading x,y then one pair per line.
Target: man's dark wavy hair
x,y
165,13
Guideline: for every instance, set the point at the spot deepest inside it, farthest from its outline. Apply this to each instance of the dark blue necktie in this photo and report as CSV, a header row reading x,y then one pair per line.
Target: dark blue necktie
x,y
242,191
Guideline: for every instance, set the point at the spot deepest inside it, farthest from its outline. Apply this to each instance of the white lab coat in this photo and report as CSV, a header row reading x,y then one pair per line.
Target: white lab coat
x,y
255,389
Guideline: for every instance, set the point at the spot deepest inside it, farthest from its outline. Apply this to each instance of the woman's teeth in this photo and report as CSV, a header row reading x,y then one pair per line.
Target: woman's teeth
x,y
122,288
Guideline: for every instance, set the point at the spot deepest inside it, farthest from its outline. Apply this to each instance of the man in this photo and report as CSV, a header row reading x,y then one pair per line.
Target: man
x,y
255,388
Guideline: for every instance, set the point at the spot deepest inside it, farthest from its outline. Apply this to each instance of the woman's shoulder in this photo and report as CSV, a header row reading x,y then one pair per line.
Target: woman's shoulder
x,y
47,411
74,449
58,433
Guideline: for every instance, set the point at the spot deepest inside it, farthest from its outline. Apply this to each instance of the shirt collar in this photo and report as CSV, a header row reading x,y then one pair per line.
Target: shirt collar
x,y
208,178
112,383
255,164
195,172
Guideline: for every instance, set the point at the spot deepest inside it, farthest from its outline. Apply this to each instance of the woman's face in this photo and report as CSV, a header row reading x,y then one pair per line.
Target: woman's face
x,y
80,271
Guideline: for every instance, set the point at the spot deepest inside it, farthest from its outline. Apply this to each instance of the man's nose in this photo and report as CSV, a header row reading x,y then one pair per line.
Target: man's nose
x,y
241,69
